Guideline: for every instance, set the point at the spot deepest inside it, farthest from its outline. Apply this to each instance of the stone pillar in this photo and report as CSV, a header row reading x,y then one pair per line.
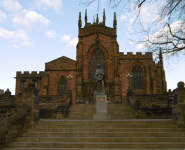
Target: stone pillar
x,y
30,96
1,91
178,105
101,107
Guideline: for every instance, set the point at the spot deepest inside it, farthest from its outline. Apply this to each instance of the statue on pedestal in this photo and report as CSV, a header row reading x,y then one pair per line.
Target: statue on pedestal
x,y
99,76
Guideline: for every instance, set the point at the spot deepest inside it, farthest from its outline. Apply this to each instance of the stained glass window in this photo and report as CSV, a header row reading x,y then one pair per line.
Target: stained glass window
x,y
62,87
137,77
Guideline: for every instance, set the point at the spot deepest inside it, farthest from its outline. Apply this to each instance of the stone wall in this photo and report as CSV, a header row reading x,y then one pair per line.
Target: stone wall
x,y
1,91
178,105
150,105
117,65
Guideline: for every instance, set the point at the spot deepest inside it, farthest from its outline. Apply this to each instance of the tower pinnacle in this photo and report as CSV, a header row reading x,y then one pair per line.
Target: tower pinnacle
x,y
104,16
115,21
79,21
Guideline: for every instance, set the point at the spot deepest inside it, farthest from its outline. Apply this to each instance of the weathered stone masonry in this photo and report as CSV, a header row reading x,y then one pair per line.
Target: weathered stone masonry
x,y
98,44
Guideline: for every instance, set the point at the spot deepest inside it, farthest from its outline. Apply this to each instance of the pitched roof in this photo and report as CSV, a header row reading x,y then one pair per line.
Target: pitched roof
x,y
62,63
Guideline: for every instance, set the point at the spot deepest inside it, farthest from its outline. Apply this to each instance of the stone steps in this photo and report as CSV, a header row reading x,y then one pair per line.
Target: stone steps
x,y
101,139
86,111
109,126
94,130
104,134
107,122
92,149
131,134
97,145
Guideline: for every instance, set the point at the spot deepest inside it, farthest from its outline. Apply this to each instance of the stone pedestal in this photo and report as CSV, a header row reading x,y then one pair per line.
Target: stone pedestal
x,y
101,108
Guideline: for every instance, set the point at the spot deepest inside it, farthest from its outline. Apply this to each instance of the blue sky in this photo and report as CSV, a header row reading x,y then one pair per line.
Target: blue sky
x,y
37,31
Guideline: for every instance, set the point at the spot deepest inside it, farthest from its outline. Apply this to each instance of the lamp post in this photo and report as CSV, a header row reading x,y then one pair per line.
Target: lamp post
x,y
129,76
69,77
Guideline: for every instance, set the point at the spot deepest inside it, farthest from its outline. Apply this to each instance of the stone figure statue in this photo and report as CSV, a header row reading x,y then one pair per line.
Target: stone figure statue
x,y
99,76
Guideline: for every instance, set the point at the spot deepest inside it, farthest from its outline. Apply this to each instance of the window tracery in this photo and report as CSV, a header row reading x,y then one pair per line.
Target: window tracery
x,y
62,87
137,77
97,57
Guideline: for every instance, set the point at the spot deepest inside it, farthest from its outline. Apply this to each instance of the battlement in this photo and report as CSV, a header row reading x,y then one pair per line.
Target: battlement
x,y
32,74
96,26
137,55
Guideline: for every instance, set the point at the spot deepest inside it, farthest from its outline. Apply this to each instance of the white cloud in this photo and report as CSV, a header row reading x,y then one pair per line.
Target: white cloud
x,y
50,34
131,20
16,36
122,18
73,42
28,18
15,46
163,35
70,42
2,67
46,4
11,5
65,38
2,16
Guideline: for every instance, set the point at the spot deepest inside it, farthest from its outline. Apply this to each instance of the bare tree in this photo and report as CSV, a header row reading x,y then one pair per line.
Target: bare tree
x,y
165,28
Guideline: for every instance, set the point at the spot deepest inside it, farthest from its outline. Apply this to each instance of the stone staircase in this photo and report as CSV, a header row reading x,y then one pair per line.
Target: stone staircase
x,y
126,134
86,111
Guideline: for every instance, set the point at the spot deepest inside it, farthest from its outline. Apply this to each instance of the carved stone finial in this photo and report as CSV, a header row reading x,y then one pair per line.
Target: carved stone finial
x,y
180,84
115,21
97,20
85,16
7,92
104,16
79,21
160,56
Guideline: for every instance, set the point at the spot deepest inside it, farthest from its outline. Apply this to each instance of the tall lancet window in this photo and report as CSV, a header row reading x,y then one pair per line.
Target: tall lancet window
x,y
62,87
137,77
97,57
23,84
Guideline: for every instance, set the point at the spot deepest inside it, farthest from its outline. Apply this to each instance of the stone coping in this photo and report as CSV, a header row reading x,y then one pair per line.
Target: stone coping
x,y
88,149
106,120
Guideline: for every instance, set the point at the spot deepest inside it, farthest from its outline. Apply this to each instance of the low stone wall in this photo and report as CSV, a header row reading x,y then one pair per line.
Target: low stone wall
x,y
150,105
14,126
54,106
1,91
178,105
8,105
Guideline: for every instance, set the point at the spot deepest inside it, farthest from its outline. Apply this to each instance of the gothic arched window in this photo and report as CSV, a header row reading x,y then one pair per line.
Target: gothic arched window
x,y
23,84
137,77
97,57
62,87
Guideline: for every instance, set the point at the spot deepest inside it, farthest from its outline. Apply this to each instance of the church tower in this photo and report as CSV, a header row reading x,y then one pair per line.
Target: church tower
x,y
97,45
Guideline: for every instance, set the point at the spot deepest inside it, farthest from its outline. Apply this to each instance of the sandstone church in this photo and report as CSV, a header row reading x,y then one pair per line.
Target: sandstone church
x,y
55,108
97,44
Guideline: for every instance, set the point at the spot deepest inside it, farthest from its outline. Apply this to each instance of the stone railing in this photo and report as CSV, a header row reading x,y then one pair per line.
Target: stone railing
x,y
150,105
55,106
178,105
14,126
25,117
8,105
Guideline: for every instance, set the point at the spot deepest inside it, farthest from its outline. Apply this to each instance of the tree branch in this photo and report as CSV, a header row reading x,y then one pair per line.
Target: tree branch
x,y
175,35
141,3
174,7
